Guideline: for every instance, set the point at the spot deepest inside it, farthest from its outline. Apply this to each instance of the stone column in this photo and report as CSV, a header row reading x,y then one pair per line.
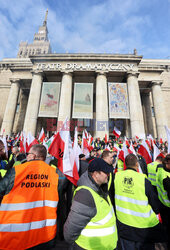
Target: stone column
x,y
102,126
136,114
65,99
148,113
30,122
159,109
9,115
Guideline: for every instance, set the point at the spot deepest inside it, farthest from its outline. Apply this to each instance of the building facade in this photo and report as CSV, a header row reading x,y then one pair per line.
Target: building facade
x,y
94,91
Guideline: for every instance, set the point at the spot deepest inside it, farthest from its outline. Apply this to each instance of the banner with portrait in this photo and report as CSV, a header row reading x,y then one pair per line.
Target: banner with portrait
x,y
83,101
49,103
118,100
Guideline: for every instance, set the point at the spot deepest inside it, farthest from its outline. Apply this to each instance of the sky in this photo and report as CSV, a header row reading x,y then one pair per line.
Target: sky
x,y
89,26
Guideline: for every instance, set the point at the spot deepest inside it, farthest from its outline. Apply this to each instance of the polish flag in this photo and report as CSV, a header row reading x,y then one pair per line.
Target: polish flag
x,y
156,152
76,149
107,147
90,143
22,149
84,145
132,149
168,137
116,132
144,151
16,137
31,141
42,135
61,148
127,143
149,145
150,138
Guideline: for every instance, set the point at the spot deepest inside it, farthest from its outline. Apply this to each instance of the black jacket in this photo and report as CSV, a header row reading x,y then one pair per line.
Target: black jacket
x,y
83,209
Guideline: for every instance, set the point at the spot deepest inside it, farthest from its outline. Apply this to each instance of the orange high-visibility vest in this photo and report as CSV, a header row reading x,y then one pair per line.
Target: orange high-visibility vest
x,y
28,213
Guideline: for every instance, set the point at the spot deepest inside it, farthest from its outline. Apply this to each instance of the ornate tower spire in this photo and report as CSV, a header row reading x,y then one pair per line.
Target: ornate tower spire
x,y
40,45
45,20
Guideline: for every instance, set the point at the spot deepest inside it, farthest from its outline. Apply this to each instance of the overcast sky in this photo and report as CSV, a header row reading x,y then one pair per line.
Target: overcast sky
x,y
95,26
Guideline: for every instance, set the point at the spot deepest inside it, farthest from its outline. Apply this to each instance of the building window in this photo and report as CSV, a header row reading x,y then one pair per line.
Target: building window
x,y
38,51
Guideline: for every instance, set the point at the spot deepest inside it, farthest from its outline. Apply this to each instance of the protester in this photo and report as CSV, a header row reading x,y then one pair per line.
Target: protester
x,y
83,164
28,211
3,161
16,158
163,188
91,223
137,208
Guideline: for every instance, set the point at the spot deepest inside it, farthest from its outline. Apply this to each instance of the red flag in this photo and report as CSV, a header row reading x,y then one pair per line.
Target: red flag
x,y
105,138
144,151
22,149
161,141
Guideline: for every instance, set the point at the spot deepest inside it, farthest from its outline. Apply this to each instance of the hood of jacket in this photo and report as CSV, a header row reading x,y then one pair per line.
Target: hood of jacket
x,y
87,180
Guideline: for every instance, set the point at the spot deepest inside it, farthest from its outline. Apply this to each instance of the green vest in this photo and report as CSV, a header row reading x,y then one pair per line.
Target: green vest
x,y
3,172
152,172
120,165
162,193
101,231
132,207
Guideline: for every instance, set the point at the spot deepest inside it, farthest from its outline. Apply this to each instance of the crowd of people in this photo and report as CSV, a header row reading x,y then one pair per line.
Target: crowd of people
x,y
120,202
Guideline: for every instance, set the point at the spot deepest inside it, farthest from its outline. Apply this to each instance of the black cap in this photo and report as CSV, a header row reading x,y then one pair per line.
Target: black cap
x,y
81,156
99,164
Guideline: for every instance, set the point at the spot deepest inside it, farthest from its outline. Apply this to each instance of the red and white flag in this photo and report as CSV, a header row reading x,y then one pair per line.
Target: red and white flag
x,y
41,135
156,152
116,132
31,141
127,142
76,149
144,151
132,149
107,147
84,145
61,148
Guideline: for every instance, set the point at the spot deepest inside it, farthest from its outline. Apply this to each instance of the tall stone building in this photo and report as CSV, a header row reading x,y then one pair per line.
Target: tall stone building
x,y
95,91
40,45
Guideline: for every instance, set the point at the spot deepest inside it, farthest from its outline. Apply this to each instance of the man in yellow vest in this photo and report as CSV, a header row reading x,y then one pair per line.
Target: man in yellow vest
x,y
91,223
28,211
137,208
152,169
163,188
